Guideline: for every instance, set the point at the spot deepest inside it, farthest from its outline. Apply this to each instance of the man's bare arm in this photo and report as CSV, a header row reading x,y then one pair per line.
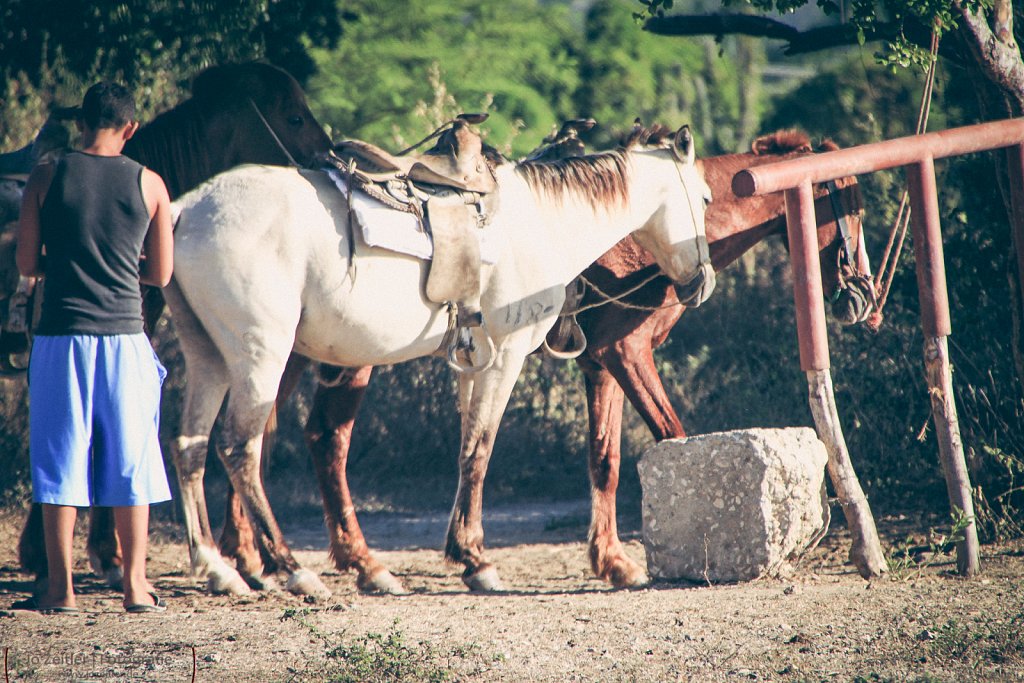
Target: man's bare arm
x,y
28,254
158,247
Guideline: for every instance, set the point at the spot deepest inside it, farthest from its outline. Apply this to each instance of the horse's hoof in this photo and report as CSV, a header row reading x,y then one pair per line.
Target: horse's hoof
x,y
113,576
382,582
306,582
266,582
219,583
484,581
629,577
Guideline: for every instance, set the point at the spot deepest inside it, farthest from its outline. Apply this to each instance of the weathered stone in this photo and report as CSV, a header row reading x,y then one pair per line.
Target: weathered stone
x,y
732,506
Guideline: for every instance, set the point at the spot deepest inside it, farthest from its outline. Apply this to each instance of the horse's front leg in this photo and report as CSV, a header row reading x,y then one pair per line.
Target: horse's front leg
x,y
631,362
104,547
608,558
32,548
329,436
483,398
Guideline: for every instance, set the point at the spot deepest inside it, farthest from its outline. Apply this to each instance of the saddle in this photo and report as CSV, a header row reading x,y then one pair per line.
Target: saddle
x,y
457,160
449,188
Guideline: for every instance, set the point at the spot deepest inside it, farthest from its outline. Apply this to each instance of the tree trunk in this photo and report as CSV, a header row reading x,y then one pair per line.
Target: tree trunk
x,y
1000,89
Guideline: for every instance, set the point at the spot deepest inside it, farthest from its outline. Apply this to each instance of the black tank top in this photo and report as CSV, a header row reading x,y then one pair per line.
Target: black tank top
x,y
93,222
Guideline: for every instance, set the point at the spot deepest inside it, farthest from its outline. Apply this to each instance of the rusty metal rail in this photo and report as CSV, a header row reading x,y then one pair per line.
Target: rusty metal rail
x,y
918,153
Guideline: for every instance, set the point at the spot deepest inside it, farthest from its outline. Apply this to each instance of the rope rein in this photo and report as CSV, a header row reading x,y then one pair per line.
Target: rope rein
x,y
898,235
617,298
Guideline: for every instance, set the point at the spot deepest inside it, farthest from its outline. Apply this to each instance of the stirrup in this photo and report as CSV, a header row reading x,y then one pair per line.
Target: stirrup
x,y
577,339
463,342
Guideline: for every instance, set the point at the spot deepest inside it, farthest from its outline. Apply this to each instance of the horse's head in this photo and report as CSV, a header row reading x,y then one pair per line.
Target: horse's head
x,y
274,101
675,233
845,269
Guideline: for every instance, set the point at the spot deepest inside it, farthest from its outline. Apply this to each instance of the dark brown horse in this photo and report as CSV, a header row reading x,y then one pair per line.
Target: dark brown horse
x,y
617,363
239,113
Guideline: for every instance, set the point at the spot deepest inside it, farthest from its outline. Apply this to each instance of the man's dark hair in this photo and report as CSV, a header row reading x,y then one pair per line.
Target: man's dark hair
x,y
107,105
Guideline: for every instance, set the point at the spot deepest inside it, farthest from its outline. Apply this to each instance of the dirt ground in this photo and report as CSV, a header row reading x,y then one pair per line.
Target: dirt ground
x,y
554,623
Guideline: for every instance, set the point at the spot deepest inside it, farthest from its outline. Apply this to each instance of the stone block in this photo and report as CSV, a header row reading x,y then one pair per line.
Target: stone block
x,y
732,506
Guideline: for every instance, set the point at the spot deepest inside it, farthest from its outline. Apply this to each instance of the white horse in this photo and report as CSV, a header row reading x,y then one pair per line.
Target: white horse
x,y
266,263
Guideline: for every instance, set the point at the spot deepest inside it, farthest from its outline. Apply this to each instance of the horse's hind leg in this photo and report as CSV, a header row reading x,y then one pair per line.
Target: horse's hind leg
x,y
608,558
237,540
205,386
482,398
250,398
328,435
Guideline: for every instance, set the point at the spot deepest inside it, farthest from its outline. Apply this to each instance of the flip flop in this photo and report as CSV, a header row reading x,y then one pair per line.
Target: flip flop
x,y
143,608
32,604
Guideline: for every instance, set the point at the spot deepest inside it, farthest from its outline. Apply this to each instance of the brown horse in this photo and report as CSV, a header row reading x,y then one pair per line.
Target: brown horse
x,y
238,113
618,361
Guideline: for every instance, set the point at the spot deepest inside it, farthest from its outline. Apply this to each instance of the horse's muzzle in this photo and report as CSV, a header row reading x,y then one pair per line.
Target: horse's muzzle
x,y
854,302
698,289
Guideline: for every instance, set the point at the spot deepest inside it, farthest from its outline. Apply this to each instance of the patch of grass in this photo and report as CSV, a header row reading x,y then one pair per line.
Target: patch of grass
x,y
390,657
904,562
982,643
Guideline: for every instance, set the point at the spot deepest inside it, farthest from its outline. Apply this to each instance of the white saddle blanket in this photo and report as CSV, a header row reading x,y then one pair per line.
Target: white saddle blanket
x,y
387,228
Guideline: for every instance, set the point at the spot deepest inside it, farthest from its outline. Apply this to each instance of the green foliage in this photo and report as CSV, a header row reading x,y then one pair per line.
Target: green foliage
x,y
512,59
625,73
905,561
387,657
131,39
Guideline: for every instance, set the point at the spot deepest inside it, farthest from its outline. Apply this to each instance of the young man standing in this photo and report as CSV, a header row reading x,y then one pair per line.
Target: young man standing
x,y
96,224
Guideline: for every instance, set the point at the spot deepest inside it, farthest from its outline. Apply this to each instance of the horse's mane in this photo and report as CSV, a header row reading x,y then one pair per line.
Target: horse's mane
x,y
788,142
174,145
601,178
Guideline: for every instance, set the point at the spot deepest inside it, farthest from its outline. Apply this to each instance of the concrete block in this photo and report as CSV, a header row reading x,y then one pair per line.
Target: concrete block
x,y
732,506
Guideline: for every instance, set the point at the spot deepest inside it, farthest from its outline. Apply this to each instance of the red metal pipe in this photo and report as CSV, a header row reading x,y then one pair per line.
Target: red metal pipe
x,y
877,156
931,269
803,250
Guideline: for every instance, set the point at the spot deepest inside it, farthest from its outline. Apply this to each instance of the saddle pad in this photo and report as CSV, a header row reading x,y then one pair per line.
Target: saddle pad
x,y
384,227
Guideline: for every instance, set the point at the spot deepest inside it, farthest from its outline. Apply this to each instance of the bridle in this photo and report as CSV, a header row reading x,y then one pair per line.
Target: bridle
x,y
847,258
273,135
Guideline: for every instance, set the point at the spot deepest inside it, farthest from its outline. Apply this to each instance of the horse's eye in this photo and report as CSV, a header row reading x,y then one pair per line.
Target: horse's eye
x,y
295,120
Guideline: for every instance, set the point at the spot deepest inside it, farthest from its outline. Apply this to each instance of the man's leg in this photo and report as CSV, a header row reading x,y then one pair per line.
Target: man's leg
x,y
132,523
59,532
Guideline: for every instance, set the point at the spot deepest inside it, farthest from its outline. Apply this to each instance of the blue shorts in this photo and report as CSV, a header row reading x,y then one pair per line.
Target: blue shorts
x,y
94,421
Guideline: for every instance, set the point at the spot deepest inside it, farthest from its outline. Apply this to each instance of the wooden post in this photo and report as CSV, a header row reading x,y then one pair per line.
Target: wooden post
x,y
866,551
935,322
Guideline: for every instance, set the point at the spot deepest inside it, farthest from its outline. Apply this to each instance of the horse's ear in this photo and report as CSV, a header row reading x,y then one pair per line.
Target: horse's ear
x,y
683,146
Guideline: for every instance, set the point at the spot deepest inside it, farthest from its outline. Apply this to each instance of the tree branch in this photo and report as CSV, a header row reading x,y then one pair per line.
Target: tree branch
x,y
1000,61
799,42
